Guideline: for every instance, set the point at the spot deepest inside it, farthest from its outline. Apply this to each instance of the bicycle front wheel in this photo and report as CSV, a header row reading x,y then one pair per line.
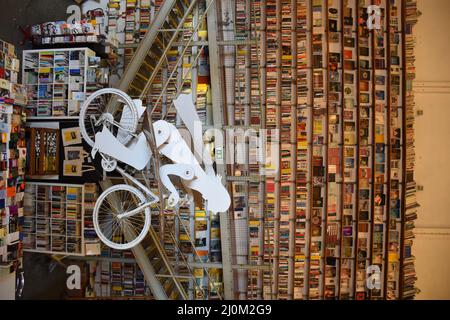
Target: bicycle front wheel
x,y
112,108
126,232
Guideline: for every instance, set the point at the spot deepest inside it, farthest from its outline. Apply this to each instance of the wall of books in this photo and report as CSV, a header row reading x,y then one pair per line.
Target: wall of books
x,y
117,278
128,21
53,218
12,164
335,79
59,80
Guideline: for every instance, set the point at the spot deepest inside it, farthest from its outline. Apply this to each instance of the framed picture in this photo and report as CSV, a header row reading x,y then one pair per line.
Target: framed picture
x,y
75,168
74,153
71,136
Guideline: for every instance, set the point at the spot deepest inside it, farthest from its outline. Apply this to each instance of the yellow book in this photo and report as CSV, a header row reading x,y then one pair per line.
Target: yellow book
x,y
253,223
379,138
302,145
184,237
44,70
200,214
318,126
242,52
393,257
198,273
202,87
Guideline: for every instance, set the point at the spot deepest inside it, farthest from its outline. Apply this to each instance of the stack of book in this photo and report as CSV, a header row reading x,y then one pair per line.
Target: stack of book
x,y
144,19
409,289
90,197
396,81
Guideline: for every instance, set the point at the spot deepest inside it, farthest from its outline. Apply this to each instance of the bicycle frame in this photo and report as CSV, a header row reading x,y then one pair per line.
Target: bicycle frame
x,y
143,188
137,154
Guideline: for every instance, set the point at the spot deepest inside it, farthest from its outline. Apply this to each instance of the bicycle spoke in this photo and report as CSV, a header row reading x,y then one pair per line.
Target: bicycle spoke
x,y
125,230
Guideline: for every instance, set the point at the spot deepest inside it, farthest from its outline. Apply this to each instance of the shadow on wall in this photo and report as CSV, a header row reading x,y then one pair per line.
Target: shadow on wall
x,y
29,12
44,278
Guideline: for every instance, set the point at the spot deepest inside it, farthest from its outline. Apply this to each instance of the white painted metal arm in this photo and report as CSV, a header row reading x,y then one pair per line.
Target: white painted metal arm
x,y
184,171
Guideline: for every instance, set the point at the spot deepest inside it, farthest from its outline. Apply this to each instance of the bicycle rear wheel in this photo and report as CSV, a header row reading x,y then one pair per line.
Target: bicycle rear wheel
x,y
121,233
111,108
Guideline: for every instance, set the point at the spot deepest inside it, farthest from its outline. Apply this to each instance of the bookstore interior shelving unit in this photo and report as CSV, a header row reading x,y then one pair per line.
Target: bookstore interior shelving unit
x,y
338,215
13,162
58,81
330,217
186,233
54,218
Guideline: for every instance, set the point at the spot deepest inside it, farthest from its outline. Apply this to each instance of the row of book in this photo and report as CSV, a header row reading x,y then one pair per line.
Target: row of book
x,y
92,242
116,278
408,272
9,64
138,16
345,165
58,81
53,216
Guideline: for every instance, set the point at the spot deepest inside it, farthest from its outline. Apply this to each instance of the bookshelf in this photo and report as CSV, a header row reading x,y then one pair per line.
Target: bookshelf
x,y
350,119
116,278
12,164
54,218
341,209
58,81
408,273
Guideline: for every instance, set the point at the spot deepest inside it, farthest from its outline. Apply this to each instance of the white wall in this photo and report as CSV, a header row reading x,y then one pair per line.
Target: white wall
x,y
432,86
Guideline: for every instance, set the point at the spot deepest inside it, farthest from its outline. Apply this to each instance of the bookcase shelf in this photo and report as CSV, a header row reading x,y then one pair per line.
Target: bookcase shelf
x,y
339,93
12,164
54,218
58,81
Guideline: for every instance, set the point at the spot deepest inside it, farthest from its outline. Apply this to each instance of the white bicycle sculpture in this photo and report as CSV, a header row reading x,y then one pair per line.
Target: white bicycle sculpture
x,y
108,123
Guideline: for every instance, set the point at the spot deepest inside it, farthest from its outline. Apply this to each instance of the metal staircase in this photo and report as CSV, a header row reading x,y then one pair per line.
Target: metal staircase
x,y
167,278
154,47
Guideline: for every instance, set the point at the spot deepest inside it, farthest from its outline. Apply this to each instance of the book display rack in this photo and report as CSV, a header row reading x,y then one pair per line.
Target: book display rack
x,y
326,212
12,165
92,242
58,81
335,79
128,21
114,279
54,218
